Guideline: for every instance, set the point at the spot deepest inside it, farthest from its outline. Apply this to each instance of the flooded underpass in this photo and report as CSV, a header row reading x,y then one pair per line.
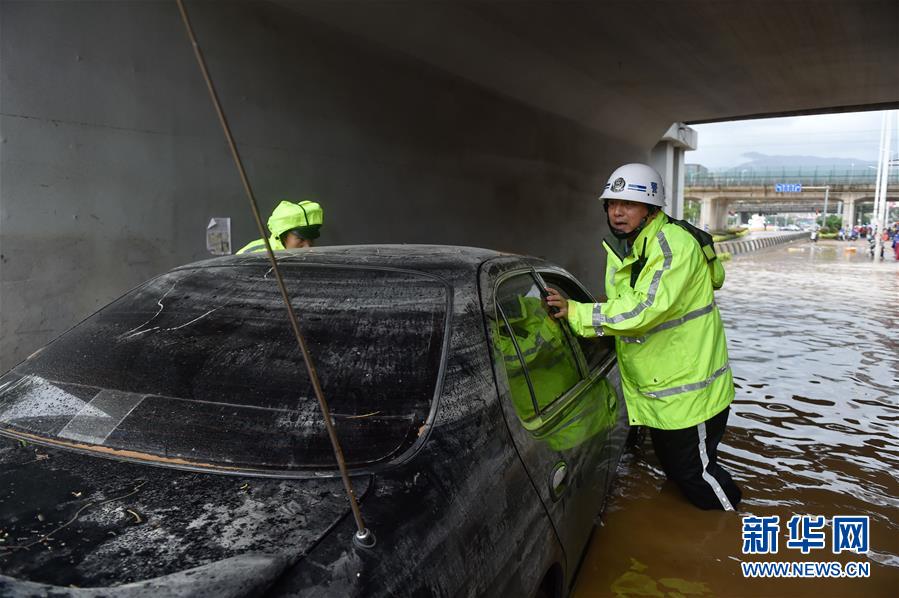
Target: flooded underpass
x,y
813,334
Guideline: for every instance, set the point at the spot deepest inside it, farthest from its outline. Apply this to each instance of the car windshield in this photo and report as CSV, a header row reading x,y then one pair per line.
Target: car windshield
x,y
200,367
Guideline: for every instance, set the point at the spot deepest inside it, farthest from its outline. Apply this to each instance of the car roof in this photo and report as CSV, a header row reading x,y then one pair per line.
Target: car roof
x,y
424,258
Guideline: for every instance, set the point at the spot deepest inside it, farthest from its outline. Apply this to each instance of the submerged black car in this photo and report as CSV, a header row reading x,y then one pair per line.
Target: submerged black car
x,y
171,443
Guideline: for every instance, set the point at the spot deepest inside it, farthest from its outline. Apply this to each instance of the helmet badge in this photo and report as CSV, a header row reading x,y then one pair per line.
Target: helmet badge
x,y
618,185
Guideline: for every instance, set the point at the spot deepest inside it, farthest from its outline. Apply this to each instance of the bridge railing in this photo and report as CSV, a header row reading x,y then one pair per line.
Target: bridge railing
x,y
807,176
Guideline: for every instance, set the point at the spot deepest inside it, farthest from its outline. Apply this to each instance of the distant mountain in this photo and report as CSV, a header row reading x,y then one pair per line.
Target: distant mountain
x,y
765,169
759,161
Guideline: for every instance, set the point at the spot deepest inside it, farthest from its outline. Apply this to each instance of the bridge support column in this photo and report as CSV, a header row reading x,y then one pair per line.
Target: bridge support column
x,y
713,215
668,158
848,212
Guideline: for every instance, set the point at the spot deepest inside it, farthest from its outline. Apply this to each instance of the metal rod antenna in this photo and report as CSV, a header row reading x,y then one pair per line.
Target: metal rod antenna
x,y
363,536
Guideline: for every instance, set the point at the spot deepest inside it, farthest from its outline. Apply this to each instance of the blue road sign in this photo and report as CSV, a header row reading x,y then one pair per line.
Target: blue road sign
x,y
788,188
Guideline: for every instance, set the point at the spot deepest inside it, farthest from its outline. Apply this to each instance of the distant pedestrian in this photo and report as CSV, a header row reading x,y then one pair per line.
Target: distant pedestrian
x,y
896,245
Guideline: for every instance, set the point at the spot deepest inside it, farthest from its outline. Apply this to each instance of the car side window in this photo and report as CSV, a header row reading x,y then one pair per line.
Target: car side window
x,y
539,362
595,350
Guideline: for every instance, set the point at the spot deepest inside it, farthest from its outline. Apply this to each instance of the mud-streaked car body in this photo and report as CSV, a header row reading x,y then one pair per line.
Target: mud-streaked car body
x,y
170,444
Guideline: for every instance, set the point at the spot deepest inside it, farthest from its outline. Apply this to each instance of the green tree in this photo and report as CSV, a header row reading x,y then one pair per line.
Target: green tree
x,y
834,222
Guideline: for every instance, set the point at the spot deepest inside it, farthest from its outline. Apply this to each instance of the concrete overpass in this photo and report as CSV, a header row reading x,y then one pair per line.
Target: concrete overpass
x,y
486,123
719,201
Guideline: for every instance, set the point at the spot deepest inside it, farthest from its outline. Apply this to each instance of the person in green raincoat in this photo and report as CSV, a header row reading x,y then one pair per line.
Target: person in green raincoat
x,y
292,226
672,352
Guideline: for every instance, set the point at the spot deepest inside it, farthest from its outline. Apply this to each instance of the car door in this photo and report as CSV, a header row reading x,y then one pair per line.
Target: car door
x,y
601,363
559,411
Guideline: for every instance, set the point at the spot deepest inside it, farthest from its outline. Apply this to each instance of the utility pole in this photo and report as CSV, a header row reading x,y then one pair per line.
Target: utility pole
x,y
876,209
826,189
883,174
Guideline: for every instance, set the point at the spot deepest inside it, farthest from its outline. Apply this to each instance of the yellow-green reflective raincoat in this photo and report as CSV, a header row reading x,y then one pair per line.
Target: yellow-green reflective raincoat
x,y
551,368
670,341
552,371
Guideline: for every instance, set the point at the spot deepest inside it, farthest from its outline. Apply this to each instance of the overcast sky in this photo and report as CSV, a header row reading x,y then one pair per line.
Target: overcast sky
x,y
851,135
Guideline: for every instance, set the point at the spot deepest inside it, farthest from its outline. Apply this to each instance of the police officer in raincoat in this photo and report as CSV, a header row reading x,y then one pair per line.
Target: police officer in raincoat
x,y
669,337
292,225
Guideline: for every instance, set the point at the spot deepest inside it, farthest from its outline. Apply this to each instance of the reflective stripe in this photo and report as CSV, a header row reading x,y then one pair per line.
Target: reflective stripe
x,y
260,246
688,387
653,287
538,344
557,357
709,478
597,315
589,413
597,319
670,324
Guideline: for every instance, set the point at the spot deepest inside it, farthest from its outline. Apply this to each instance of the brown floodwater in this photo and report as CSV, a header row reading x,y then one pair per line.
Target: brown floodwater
x,y
813,334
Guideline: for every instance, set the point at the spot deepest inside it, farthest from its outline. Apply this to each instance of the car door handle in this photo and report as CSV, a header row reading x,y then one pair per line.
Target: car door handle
x,y
557,480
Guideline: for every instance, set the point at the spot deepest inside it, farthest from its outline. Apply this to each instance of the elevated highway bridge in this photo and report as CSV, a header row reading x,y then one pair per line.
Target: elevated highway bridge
x,y
724,194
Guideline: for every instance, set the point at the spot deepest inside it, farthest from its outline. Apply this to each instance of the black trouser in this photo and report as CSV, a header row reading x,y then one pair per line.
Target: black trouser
x,y
689,458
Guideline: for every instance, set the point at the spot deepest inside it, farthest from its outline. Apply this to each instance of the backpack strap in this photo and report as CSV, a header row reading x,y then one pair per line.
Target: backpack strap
x,y
706,243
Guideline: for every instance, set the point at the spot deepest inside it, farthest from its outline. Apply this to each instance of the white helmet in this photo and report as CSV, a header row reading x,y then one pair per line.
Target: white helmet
x,y
635,182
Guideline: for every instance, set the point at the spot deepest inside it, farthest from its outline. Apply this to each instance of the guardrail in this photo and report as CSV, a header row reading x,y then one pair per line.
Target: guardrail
x,y
739,246
805,176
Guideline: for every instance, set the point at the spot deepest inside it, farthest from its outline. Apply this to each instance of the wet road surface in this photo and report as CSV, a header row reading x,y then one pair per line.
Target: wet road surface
x,y
813,334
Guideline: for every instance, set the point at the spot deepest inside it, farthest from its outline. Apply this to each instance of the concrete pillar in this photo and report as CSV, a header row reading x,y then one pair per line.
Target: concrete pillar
x,y
705,213
848,212
668,158
713,215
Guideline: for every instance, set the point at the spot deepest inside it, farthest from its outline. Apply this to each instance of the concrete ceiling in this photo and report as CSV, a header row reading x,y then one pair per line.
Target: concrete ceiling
x,y
631,67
